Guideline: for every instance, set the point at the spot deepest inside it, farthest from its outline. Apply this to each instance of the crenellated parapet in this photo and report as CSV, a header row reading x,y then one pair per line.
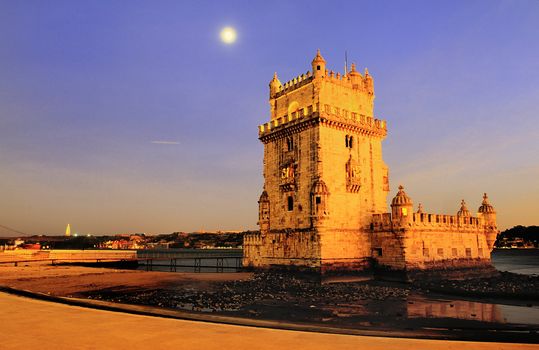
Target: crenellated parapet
x,y
292,84
383,222
252,239
352,80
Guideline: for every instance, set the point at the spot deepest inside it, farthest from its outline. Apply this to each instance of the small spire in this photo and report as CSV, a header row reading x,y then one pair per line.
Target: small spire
x,y
485,198
318,57
420,208
353,68
366,71
275,76
401,188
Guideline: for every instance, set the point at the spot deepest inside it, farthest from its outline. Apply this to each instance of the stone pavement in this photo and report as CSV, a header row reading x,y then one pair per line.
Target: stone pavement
x,y
35,324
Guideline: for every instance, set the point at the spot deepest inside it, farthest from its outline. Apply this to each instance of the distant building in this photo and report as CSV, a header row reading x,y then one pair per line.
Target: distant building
x,y
323,206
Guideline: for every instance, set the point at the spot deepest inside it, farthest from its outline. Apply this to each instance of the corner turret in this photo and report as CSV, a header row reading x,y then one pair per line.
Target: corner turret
x,y
319,199
264,212
487,213
275,85
368,82
319,65
402,207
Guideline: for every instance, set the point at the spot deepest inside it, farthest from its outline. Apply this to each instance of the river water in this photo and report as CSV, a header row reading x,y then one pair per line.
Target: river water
x,y
523,261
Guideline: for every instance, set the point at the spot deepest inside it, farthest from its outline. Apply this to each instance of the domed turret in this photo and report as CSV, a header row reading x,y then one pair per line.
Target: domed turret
x,y
486,207
319,65
319,187
463,210
263,212
487,215
355,77
275,85
401,206
319,198
401,198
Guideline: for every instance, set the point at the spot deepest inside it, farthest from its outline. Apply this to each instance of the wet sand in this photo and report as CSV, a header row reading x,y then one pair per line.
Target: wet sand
x,y
77,280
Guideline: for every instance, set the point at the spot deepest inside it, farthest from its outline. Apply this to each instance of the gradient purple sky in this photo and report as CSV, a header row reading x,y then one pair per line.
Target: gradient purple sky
x,y
87,86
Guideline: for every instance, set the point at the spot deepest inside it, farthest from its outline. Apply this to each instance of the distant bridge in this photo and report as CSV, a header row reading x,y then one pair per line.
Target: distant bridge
x,y
8,231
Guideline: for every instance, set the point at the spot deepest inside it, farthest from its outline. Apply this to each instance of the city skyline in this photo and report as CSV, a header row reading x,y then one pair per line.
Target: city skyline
x,y
136,117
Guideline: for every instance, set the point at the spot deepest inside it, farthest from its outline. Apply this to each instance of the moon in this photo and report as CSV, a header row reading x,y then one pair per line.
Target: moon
x,y
228,35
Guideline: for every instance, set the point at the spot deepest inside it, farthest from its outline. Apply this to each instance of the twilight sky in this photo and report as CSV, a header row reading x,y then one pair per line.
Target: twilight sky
x,y
133,116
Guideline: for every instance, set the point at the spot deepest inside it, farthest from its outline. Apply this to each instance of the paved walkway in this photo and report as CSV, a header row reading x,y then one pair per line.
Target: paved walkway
x,y
34,324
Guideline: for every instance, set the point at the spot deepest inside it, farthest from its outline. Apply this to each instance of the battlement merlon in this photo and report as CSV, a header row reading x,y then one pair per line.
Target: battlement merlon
x,y
350,92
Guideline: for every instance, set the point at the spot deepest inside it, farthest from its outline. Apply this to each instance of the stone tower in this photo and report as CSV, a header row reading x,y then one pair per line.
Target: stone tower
x,y
324,176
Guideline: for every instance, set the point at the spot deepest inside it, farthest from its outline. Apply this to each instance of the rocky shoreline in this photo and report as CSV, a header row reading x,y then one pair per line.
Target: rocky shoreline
x,y
504,285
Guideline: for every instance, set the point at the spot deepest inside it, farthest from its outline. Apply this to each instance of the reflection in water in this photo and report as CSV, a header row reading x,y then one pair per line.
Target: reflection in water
x,y
465,310
418,307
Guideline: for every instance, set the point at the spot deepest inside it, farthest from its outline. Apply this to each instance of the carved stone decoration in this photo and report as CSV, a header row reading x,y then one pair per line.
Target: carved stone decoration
x,y
386,181
288,177
353,176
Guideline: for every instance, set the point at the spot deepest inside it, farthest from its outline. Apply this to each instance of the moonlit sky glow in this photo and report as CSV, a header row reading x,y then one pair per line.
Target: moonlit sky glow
x,y
132,116
228,35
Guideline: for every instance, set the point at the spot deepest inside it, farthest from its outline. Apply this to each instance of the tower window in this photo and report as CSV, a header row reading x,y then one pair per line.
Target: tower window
x,y
318,200
317,67
290,203
349,141
289,144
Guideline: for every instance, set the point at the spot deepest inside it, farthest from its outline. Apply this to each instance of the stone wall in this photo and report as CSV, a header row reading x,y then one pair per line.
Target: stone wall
x,y
429,241
282,249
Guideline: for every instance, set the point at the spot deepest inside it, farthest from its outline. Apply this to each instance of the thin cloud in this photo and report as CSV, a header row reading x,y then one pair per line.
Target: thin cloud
x,y
166,142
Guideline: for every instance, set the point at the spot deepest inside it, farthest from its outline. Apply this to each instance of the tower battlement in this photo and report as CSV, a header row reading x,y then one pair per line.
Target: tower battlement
x,y
351,91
